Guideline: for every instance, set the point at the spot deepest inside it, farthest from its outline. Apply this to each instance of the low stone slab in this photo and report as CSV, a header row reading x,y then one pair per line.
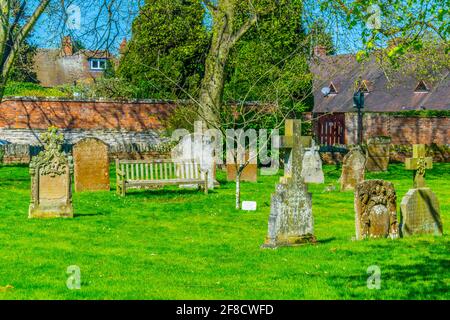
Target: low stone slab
x,y
420,213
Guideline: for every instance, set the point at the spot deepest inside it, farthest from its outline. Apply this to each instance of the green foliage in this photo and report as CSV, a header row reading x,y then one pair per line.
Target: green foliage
x,y
23,66
181,244
422,113
28,89
270,63
166,54
319,36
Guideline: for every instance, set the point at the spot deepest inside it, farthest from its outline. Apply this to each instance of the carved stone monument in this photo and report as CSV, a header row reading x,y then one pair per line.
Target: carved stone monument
x,y
420,213
51,185
375,210
353,169
378,154
291,219
312,165
91,164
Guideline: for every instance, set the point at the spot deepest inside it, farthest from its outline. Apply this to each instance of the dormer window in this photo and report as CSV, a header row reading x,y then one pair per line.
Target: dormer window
x,y
364,86
97,64
333,89
422,87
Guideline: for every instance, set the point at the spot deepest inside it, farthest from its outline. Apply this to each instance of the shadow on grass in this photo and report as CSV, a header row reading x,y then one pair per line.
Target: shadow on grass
x,y
164,192
424,280
81,215
325,241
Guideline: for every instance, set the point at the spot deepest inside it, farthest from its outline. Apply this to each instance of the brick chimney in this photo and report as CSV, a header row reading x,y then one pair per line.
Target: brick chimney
x,y
123,46
320,51
67,46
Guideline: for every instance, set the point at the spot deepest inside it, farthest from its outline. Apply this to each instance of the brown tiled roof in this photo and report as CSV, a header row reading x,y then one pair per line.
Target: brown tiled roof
x,y
343,71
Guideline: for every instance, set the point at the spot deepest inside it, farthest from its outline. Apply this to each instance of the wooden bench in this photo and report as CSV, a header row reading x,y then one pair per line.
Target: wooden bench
x,y
133,174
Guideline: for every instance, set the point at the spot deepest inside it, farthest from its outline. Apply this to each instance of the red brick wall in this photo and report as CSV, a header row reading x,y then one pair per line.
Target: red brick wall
x,y
402,130
88,115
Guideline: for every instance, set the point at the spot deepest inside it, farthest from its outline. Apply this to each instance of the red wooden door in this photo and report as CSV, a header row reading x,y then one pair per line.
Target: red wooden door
x,y
331,129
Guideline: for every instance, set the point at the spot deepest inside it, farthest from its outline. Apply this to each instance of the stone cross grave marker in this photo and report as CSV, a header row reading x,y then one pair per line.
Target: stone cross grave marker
x,y
91,165
420,212
312,165
291,220
419,163
51,184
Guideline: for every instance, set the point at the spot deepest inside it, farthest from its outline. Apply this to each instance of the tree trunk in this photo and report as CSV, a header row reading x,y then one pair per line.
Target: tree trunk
x,y
238,189
213,81
224,37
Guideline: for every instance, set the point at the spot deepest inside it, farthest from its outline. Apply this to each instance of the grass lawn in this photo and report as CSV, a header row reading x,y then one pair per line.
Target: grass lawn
x,y
181,244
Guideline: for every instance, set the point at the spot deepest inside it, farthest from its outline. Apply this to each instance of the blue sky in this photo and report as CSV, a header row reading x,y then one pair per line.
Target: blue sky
x,y
50,29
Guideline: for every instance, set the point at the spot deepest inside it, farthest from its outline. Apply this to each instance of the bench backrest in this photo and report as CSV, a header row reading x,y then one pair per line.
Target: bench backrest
x,y
159,169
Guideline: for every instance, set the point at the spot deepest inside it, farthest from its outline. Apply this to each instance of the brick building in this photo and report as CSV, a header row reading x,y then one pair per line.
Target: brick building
x,y
384,107
68,65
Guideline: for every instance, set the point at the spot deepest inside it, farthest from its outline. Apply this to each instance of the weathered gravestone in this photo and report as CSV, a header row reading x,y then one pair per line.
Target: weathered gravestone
x,y
51,185
353,169
201,148
375,210
420,213
249,174
291,220
378,154
312,165
91,163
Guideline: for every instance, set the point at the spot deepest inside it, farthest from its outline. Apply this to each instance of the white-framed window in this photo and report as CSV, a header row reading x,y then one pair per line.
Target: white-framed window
x,y
97,64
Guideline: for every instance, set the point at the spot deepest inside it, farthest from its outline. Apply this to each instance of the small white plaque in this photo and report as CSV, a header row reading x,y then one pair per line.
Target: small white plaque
x,y
249,205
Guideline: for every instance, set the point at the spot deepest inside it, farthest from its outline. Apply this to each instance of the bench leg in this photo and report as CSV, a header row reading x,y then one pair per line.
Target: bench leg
x,y
206,183
124,188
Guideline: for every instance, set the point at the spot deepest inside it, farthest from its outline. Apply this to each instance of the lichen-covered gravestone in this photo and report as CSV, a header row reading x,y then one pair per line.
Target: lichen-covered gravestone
x,y
91,163
51,185
291,219
353,169
312,165
375,210
378,154
420,213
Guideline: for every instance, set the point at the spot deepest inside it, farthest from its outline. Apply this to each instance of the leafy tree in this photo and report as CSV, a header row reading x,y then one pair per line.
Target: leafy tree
x,y
165,56
23,66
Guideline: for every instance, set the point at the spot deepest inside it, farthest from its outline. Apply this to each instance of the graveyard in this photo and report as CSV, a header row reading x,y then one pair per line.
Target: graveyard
x,y
181,244
224,150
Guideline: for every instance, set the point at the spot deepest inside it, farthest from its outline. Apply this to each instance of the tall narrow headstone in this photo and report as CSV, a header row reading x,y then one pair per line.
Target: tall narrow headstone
x,y
375,210
51,184
353,169
420,212
91,165
378,149
312,165
291,219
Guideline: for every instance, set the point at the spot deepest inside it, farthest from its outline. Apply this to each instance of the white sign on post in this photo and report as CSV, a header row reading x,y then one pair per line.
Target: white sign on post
x,y
249,205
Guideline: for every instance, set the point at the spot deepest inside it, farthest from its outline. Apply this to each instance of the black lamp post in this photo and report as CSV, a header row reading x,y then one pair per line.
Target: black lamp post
x,y
358,103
